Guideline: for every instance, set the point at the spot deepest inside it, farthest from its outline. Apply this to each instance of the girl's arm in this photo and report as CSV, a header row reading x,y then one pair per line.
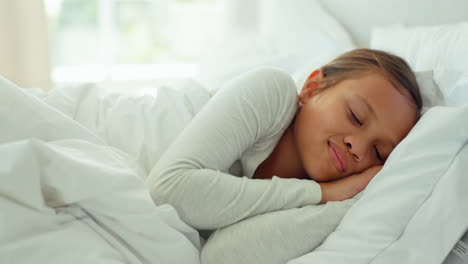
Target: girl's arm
x,y
253,108
275,237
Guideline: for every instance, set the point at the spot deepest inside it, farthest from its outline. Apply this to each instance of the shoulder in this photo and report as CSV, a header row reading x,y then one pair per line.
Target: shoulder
x,y
271,72
276,90
264,98
274,86
272,94
274,79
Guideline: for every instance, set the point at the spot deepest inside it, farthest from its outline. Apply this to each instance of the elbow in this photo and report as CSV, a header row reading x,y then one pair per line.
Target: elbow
x,y
162,185
170,187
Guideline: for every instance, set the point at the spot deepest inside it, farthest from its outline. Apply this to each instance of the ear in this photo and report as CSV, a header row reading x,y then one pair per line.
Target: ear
x,y
310,85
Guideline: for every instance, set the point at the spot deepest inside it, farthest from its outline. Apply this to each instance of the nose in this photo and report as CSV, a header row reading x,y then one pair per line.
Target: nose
x,y
358,146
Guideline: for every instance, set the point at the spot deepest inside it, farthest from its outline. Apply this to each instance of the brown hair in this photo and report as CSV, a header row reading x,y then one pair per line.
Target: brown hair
x,y
360,61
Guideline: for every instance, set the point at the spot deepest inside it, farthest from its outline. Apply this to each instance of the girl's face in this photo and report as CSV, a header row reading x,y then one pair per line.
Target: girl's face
x,y
351,126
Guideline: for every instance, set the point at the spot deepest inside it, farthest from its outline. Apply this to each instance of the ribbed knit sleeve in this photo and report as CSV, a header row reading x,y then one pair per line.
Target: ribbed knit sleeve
x,y
275,237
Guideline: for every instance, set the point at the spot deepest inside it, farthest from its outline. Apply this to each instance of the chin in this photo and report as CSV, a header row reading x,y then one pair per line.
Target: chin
x,y
313,177
322,177
318,180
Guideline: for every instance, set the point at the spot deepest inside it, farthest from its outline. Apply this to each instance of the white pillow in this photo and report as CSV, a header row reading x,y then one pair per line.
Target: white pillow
x,y
425,48
430,92
293,25
289,37
443,49
454,85
393,221
438,223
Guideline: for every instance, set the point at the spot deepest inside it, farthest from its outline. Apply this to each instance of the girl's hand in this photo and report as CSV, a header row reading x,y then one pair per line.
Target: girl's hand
x,y
347,187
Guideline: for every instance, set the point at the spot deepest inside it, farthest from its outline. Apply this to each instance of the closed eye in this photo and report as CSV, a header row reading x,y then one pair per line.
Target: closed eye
x,y
377,153
354,118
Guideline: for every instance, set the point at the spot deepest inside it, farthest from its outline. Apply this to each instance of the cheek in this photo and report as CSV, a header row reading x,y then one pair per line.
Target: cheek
x,y
310,130
306,125
317,121
313,129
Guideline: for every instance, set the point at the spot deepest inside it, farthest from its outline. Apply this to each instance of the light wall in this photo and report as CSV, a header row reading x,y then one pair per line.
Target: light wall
x,y
24,51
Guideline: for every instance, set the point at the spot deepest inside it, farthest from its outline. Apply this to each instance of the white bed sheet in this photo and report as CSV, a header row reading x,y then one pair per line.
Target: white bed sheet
x,y
68,197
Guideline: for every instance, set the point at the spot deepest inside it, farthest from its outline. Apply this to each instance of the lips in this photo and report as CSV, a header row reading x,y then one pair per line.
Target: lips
x,y
336,157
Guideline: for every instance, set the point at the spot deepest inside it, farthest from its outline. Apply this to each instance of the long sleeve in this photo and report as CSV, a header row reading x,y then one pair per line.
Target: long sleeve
x,y
191,175
275,237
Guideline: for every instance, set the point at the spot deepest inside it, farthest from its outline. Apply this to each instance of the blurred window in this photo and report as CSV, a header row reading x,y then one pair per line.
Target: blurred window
x,y
96,40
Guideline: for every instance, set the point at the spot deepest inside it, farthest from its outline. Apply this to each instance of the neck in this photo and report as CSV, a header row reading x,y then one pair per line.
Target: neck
x,y
284,161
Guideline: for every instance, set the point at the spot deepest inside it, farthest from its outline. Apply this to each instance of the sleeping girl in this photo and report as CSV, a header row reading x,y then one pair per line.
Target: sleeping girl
x,y
267,173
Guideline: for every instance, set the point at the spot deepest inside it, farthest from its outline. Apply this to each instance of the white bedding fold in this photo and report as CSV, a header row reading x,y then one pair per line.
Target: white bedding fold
x,y
141,125
67,197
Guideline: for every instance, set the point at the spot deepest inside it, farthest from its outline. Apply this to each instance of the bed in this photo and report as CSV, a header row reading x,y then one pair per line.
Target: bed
x,y
414,211
402,217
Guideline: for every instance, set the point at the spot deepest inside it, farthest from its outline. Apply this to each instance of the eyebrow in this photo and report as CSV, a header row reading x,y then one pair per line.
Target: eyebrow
x,y
371,110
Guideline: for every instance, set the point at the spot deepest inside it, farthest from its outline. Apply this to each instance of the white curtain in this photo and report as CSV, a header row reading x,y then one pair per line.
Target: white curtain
x,y
24,46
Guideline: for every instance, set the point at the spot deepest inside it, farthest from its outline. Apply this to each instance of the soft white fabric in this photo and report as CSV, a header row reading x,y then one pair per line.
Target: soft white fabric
x,y
294,27
142,126
430,92
392,222
454,84
360,16
275,237
67,197
289,37
425,48
441,49
440,221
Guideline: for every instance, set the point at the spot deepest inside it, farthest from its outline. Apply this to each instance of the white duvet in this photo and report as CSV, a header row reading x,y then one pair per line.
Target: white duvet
x,y
67,196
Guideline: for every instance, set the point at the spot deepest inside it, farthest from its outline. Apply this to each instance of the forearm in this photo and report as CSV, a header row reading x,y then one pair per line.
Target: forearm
x,y
274,237
208,199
